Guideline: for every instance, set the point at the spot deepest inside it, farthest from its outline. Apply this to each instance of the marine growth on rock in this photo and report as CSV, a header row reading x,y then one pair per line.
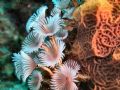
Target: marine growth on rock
x,y
91,54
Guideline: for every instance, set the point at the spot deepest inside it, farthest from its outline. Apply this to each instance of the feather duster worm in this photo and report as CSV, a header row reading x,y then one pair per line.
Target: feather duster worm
x,y
73,65
34,80
62,4
24,65
61,34
32,42
49,25
52,52
68,13
64,77
55,11
32,21
46,26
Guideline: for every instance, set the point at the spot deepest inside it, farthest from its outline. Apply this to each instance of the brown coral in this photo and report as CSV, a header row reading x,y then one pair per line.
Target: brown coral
x,y
104,73
85,34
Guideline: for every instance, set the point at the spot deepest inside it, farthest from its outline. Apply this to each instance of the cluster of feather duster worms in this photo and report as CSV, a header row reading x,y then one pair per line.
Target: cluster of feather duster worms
x,y
43,48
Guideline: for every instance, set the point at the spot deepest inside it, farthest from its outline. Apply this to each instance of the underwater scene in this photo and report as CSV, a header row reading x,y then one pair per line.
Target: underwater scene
x,y
59,44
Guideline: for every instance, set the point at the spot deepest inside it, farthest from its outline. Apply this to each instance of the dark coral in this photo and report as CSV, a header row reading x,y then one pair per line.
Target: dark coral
x,y
104,73
85,34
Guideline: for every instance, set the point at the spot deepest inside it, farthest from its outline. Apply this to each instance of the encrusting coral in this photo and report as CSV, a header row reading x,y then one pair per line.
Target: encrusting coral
x,y
101,58
105,37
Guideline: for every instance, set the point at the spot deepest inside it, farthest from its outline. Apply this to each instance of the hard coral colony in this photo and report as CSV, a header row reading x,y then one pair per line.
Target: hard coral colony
x,y
43,50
